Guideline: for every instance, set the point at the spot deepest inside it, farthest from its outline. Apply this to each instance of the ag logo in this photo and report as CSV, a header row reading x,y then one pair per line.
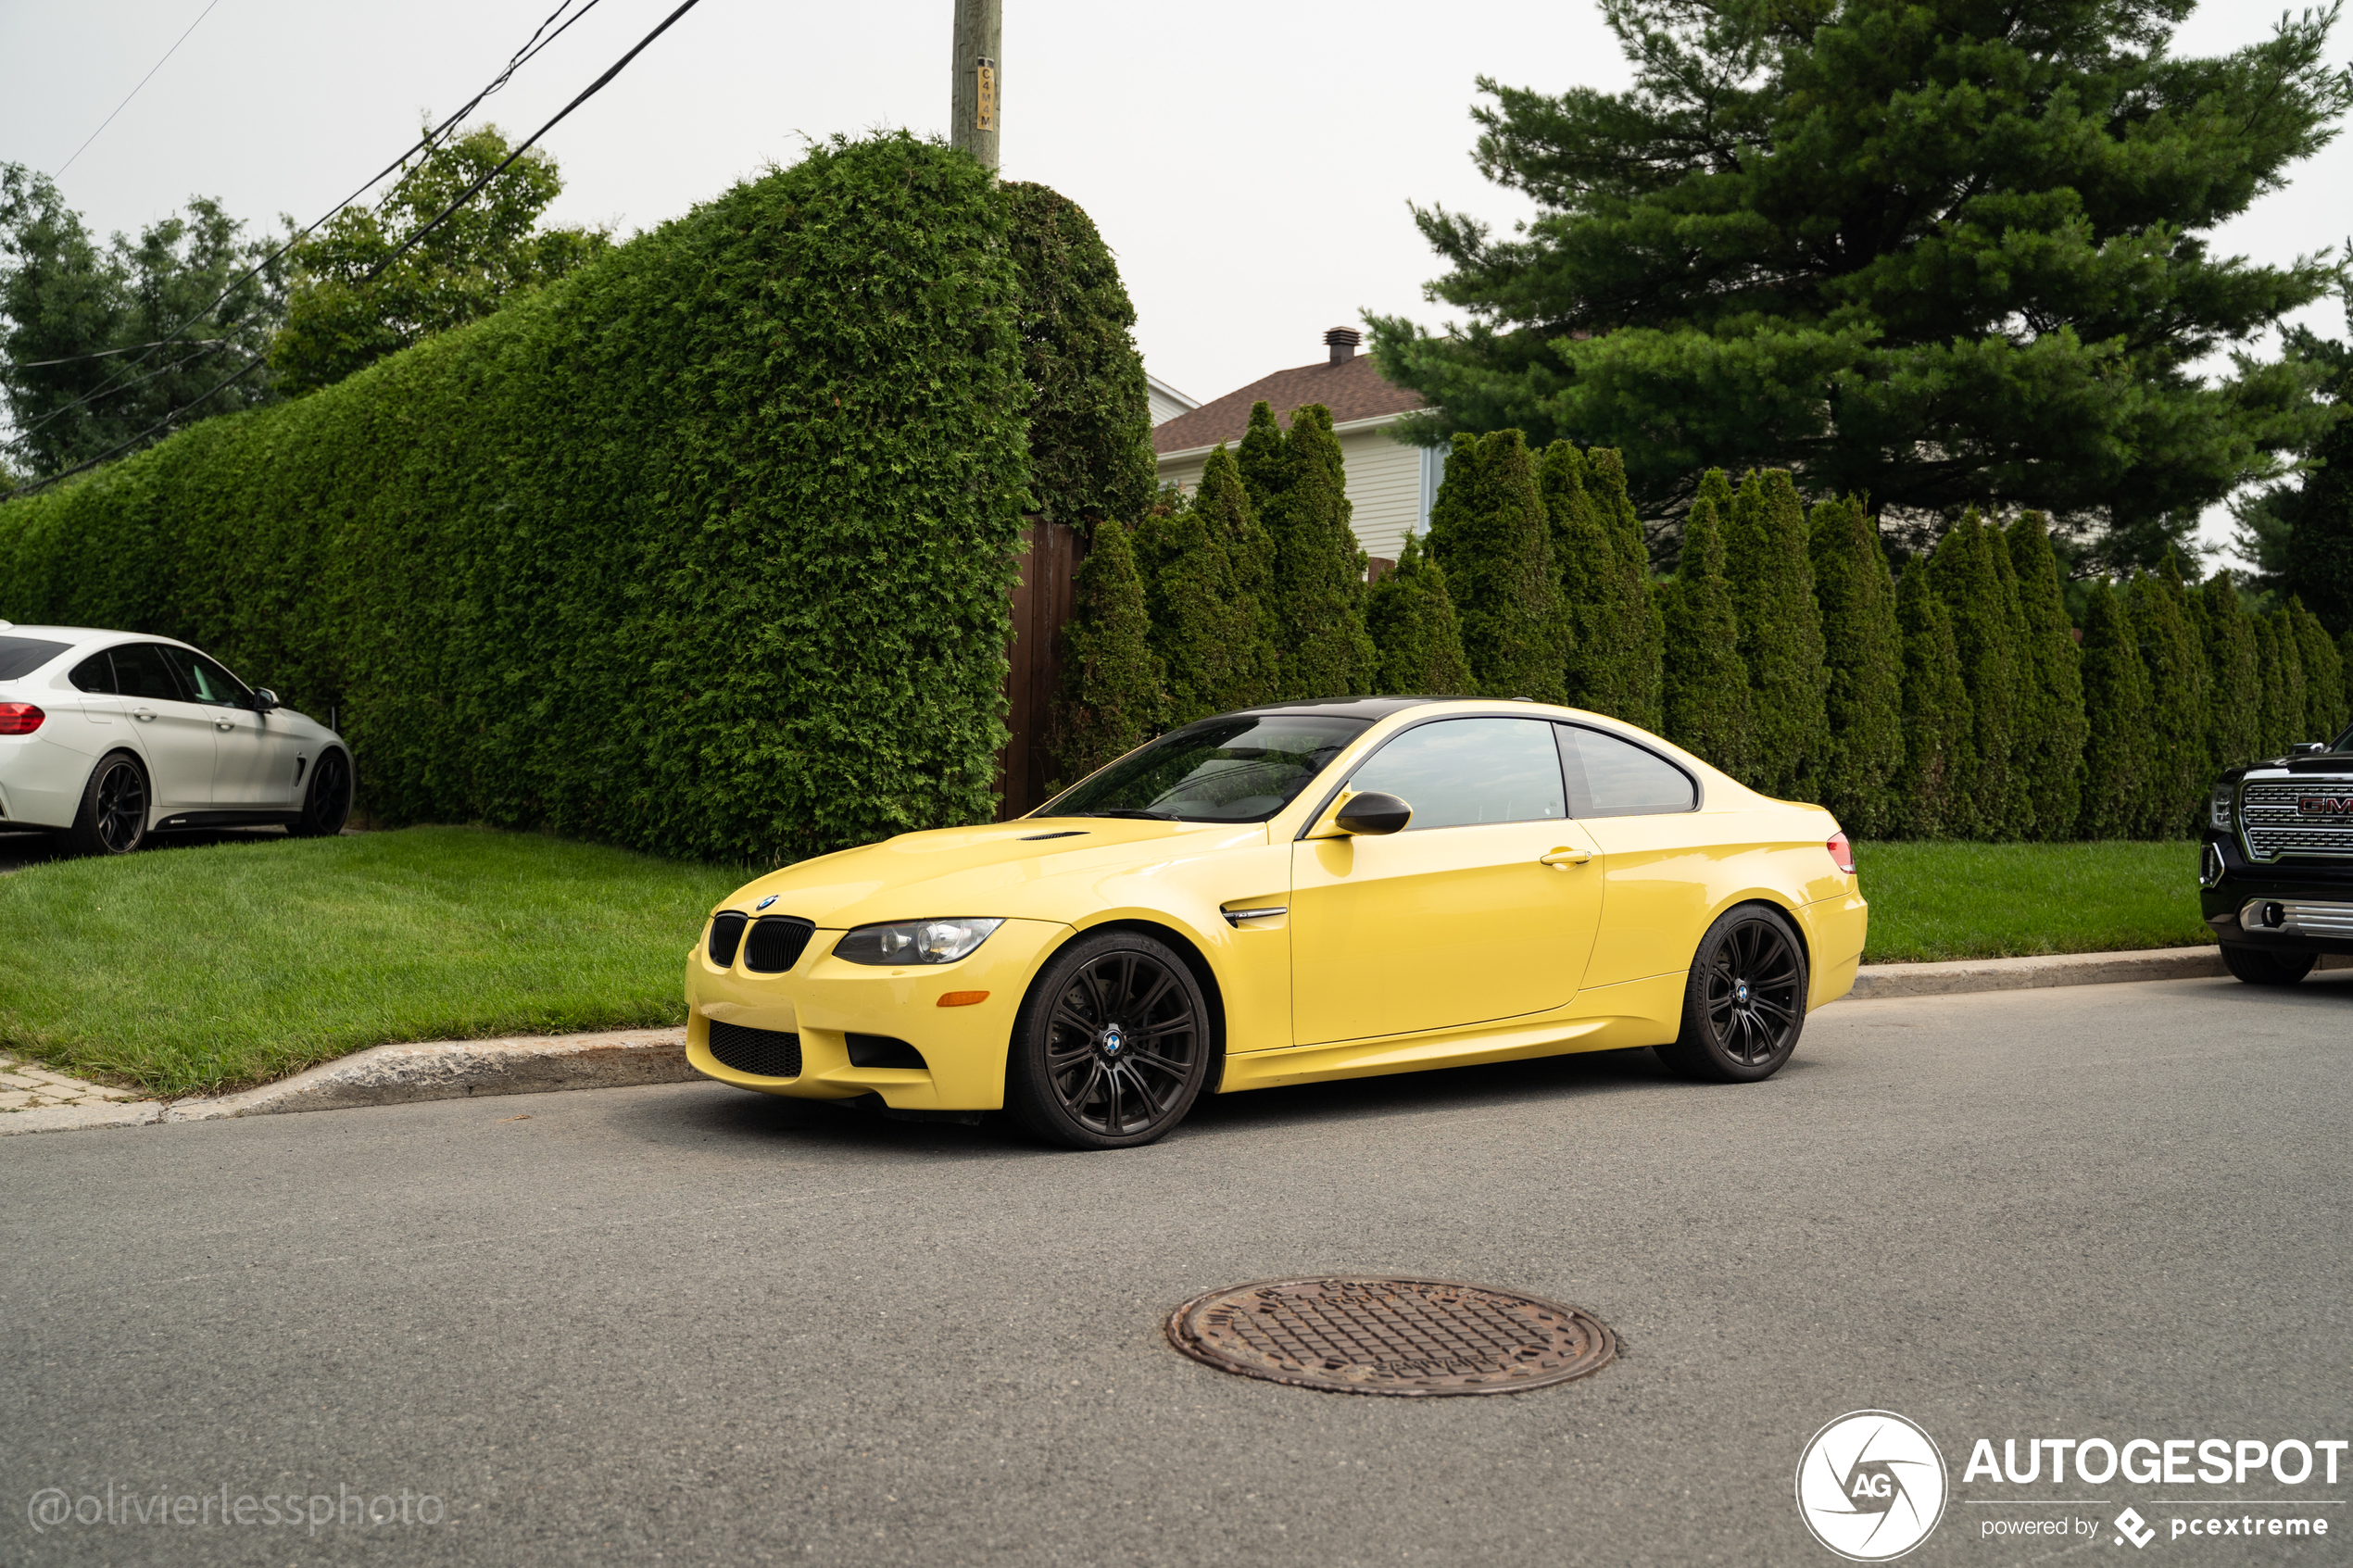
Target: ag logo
x,y
1870,1485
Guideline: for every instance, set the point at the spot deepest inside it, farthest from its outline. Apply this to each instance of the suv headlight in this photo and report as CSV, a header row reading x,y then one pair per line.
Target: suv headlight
x,y
915,941
2219,813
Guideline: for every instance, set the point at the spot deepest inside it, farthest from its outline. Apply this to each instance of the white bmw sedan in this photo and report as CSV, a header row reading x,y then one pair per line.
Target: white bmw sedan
x,y
104,736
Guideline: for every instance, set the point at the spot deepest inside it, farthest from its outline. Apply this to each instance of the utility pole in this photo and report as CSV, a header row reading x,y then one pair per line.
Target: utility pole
x,y
976,101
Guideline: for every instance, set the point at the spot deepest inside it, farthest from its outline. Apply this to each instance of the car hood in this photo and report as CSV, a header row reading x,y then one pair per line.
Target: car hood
x,y
1004,869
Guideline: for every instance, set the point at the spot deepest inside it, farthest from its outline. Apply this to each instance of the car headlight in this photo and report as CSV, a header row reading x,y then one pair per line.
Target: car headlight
x,y
915,941
2219,813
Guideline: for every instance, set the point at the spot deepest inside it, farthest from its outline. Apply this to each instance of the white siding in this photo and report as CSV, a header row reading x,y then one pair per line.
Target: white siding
x,y
1164,400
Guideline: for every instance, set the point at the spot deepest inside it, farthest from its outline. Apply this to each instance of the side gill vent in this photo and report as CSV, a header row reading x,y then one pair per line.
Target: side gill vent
x,y
726,931
775,943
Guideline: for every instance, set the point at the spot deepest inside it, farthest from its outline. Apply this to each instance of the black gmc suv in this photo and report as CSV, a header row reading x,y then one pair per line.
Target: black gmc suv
x,y
2276,875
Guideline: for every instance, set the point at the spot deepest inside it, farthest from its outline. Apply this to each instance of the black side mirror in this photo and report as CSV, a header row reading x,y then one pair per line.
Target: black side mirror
x,y
264,699
1373,813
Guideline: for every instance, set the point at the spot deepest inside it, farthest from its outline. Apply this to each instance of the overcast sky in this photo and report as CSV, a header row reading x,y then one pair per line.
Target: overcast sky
x,y
1250,164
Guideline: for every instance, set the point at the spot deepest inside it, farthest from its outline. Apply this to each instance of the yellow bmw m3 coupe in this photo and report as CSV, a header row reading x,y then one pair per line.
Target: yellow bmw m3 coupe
x,y
1316,890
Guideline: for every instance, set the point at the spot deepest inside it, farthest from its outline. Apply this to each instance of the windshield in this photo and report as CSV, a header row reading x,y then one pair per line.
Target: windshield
x,y
1236,769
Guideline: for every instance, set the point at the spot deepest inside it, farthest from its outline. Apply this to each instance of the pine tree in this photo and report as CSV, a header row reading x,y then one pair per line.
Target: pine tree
x,y
1615,634
1931,790
1413,625
1207,570
2178,772
1110,699
2116,700
1266,470
2324,675
1863,651
1987,631
2049,754
2234,700
1494,538
1319,570
1781,630
1707,701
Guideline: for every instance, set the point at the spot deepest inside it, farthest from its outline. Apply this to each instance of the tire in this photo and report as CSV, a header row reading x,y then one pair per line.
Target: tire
x,y
113,817
2261,966
1744,1003
326,806
1073,1080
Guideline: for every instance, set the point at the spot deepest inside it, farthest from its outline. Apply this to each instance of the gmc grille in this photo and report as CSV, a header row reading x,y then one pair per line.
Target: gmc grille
x,y
764,1053
2277,824
775,943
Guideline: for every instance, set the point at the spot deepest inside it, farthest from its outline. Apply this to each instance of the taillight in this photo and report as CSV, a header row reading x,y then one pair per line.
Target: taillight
x,y
1842,853
20,718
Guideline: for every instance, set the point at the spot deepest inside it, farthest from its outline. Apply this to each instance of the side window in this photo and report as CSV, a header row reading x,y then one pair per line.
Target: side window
x,y
140,670
206,681
94,673
1608,777
1459,771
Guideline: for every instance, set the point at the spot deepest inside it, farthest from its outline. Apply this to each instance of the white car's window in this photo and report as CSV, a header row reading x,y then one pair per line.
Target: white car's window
x,y
21,656
139,671
1608,777
94,673
1455,772
206,682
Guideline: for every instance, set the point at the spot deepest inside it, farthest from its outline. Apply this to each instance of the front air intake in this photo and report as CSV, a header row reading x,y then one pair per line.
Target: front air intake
x,y
763,1053
775,943
727,931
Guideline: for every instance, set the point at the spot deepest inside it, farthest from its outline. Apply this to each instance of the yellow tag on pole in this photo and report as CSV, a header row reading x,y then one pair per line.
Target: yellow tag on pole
x,y
984,99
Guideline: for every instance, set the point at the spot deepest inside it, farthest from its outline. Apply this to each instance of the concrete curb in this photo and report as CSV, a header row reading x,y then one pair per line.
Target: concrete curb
x,y
1875,981
398,1074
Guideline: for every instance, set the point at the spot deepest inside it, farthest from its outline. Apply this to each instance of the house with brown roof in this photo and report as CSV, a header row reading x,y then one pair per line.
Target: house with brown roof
x,y
1390,486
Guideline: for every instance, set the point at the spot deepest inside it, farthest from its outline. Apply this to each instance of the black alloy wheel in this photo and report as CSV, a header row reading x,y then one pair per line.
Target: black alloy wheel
x,y
1111,1046
2261,966
327,806
113,819
1744,1004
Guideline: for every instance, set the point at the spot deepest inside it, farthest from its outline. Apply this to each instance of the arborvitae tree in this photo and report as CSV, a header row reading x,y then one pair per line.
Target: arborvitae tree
x,y
1931,790
1264,467
2285,675
2049,756
1614,631
2324,675
2272,720
1492,537
2178,770
1413,625
1707,700
1863,651
1986,631
1781,628
1111,700
2116,698
1319,570
2235,701
1203,627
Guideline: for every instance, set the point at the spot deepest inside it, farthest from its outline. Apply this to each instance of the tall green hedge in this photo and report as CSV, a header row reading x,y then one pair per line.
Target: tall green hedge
x,y
2052,727
1863,651
1708,709
704,550
1412,622
1781,630
1490,530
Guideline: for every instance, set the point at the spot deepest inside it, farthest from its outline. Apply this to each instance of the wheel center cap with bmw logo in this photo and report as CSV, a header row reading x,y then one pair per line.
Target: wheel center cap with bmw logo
x,y
1740,990
1113,1039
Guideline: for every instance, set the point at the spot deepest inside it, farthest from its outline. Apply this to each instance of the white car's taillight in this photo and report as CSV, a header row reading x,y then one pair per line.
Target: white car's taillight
x,y
1842,853
20,718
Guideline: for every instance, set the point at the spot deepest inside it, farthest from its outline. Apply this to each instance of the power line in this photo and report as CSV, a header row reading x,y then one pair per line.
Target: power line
x,y
430,142
251,365
104,353
134,92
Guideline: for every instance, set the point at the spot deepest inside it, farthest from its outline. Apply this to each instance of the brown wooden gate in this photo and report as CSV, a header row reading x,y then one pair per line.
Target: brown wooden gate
x,y
1042,602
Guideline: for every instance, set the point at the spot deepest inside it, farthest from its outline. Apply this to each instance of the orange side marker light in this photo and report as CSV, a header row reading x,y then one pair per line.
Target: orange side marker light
x,y
962,998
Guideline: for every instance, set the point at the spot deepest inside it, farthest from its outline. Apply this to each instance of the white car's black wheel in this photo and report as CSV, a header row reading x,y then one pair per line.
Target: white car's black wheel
x,y
1744,1004
327,805
1111,1046
113,819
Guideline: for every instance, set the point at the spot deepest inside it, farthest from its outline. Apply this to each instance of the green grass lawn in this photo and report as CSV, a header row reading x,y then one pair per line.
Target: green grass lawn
x,y
187,971
1932,901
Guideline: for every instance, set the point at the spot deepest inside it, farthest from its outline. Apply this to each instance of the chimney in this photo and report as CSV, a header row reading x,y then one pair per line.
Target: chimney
x,y
1342,342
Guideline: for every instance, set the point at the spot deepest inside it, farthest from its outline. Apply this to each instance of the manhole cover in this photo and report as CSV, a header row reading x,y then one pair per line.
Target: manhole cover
x,y
1391,1335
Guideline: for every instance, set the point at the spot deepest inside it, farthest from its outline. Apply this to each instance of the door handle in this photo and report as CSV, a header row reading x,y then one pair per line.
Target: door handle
x,y
143,713
223,726
1561,859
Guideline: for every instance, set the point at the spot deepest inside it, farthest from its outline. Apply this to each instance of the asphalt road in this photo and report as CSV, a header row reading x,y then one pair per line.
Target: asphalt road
x,y
689,1324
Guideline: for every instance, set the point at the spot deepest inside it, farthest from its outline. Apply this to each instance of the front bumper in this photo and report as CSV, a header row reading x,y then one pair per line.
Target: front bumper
x,y
825,1000
2287,883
